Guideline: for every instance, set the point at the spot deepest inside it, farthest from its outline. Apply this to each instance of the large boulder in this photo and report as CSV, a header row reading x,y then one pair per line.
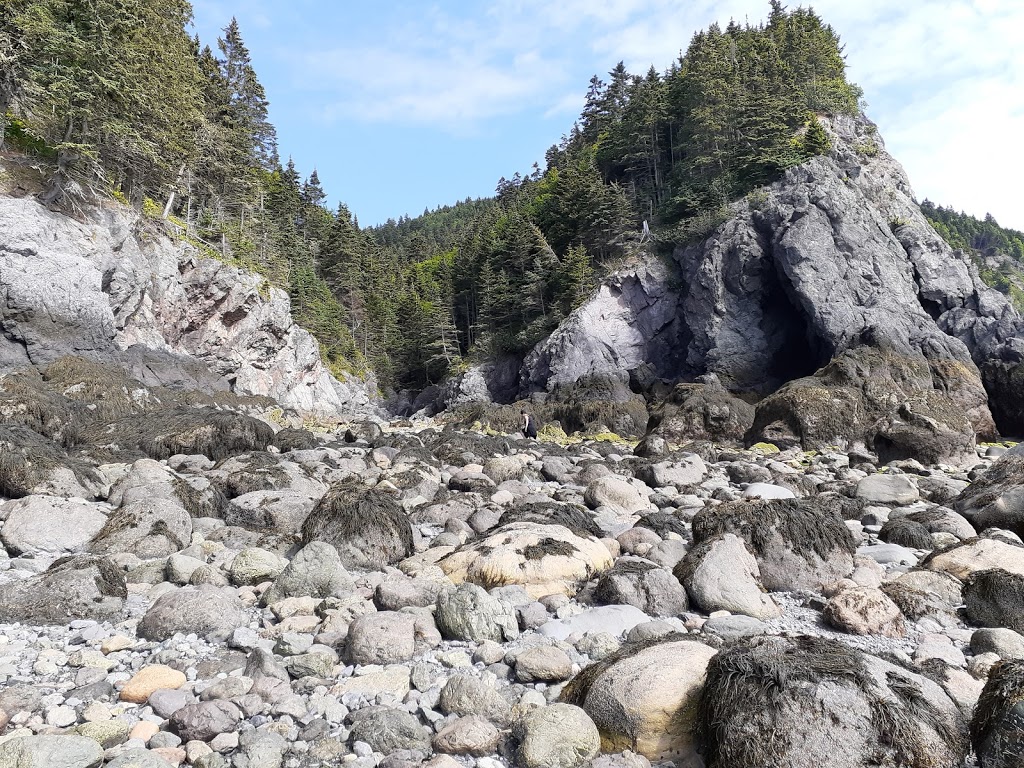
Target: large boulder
x,y
214,433
367,526
44,524
644,698
51,751
145,528
721,575
997,729
995,598
203,610
702,411
315,571
881,399
996,499
975,555
798,543
644,585
75,587
811,701
544,559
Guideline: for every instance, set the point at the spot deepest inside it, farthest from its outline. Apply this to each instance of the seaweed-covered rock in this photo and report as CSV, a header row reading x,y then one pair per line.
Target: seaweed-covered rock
x,y
996,499
901,407
720,574
997,729
781,701
204,610
925,593
906,533
995,598
217,434
701,411
146,528
798,543
76,587
544,559
269,511
289,439
32,464
368,527
644,585
644,697
576,519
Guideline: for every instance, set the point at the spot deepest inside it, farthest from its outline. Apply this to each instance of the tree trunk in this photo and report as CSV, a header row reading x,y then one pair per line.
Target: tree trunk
x,y
174,187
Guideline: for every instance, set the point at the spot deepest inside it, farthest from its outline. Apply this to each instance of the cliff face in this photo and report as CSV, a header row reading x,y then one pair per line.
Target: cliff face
x,y
833,259
113,291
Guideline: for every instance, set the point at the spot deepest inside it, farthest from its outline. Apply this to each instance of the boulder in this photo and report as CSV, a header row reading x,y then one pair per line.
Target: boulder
x,y
811,701
1005,643
975,555
865,611
466,695
995,598
544,559
616,493
701,411
644,698
721,575
74,587
384,637
204,610
467,612
367,527
315,571
997,729
145,528
888,489
388,730
557,736
471,735
903,403
51,751
205,720
996,499
797,543
270,511
644,585
45,524
254,566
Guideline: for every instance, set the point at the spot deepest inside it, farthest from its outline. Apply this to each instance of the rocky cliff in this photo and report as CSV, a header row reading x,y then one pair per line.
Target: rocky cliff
x,y
114,289
829,284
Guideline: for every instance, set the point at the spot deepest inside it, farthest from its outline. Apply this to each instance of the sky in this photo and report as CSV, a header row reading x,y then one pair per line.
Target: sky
x,y
403,106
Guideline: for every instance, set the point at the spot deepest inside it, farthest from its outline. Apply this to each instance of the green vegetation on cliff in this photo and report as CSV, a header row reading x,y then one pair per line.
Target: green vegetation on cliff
x,y
114,98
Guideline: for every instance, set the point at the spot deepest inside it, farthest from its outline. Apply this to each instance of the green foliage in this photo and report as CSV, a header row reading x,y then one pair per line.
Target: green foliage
x,y
815,140
21,137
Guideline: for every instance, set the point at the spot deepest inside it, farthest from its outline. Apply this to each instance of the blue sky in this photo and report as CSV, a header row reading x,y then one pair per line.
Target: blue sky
x,y
402,106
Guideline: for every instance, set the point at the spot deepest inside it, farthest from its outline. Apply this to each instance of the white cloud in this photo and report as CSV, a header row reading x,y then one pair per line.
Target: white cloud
x,y
943,78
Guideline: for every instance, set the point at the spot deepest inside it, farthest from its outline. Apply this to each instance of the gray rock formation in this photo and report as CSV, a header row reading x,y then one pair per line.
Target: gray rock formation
x,y
103,289
834,257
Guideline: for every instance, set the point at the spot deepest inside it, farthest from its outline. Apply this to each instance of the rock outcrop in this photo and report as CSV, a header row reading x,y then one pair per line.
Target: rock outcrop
x,y
830,282
117,289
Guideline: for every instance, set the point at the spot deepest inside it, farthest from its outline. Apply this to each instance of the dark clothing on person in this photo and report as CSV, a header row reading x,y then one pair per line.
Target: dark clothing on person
x,y
529,426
